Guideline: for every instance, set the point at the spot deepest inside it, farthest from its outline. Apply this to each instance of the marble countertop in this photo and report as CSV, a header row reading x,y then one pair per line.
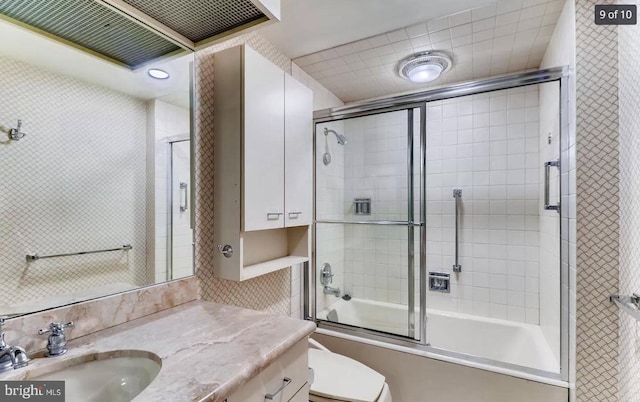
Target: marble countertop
x,y
208,350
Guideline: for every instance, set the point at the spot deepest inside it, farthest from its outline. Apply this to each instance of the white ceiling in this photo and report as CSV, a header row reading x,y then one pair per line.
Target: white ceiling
x,y
308,26
22,44
502,37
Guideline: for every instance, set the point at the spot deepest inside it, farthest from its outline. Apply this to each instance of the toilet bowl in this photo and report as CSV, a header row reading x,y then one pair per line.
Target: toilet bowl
x,y
339,378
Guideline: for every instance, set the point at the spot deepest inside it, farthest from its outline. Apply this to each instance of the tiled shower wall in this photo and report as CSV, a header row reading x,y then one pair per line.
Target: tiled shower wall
x,y
487,145
549,220
82,140
376,167
330,193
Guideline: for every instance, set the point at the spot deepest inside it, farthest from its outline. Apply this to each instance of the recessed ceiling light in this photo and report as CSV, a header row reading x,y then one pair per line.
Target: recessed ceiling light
x,y
424,67
158,74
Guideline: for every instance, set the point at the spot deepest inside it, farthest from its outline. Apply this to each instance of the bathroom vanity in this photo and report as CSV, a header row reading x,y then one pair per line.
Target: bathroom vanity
x,y
206,352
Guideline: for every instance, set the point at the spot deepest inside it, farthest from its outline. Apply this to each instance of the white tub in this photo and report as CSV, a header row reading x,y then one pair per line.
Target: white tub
x,y
500,340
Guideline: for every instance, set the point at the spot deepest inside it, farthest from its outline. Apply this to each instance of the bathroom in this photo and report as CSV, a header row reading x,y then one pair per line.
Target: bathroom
x,y
269,187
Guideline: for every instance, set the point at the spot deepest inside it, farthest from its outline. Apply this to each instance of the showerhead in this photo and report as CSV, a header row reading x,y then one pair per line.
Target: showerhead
x,y
342,140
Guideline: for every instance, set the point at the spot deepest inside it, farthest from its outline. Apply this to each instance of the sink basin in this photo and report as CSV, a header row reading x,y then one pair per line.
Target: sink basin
x,y
106,377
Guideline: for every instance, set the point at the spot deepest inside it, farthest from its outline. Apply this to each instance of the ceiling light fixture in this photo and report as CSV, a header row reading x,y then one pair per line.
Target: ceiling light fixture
x,y
424,67
158,74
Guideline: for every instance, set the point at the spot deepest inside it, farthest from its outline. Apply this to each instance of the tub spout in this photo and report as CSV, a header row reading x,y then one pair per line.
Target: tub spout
x,y
328,290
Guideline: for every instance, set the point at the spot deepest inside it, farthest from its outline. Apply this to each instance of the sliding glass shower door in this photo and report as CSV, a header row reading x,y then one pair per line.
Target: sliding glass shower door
x,y
444,213
367,228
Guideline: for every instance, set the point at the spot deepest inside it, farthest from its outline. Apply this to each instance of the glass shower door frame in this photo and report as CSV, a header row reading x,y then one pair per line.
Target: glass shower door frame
x,y
409,223
420,100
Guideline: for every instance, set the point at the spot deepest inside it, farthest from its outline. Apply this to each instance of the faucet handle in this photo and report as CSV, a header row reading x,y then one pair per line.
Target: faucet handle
x,y
3,344
56,328
57,342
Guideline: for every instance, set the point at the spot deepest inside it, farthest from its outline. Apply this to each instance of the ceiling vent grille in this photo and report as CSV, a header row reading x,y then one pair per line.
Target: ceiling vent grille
x,y
88,24
199,19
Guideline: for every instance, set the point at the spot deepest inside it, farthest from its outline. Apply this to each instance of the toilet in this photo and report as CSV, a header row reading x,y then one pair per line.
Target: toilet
x,y
339,378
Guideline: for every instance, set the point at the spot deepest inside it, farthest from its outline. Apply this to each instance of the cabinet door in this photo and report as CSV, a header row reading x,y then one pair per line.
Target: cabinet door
x,y
302,395
298,145
282,379
263,143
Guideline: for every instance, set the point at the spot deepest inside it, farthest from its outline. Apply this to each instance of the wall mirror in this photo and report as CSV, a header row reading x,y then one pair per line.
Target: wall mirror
x,y
95,157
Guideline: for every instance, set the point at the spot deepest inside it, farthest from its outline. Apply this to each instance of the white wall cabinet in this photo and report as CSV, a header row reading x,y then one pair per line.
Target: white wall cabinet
x,y
285,379
298,126
263,144
263,166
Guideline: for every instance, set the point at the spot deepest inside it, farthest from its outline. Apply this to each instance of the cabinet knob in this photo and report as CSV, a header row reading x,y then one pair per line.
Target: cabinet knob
x,y
226,250
294,215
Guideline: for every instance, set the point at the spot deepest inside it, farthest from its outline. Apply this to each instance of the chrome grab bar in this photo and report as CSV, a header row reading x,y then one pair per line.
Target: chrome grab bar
x,y
35,256
184,200
457,194
372,222
547,168
628,304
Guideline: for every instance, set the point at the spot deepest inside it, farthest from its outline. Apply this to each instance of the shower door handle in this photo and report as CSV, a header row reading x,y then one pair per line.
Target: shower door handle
x,y
547,179
184,200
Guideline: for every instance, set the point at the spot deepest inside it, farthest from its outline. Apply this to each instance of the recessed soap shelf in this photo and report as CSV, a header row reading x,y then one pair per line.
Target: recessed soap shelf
x,y
362,206
439,282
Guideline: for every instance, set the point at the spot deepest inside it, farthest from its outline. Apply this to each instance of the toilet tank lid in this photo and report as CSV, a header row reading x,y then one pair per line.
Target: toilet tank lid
x,y
339,377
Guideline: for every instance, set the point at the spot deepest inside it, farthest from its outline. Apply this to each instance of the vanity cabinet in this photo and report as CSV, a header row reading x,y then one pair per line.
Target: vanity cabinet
x,y
263,166
285,379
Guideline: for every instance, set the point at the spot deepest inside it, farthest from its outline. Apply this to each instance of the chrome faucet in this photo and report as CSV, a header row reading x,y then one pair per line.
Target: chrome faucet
x,y
328,290
326,277
57,344
11,357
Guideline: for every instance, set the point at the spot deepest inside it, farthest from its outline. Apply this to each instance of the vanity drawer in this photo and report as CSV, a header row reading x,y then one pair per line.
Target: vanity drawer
x,y
302,395
287,375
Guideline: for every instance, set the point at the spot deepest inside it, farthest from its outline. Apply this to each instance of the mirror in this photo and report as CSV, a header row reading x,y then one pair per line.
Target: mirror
x,y
95,162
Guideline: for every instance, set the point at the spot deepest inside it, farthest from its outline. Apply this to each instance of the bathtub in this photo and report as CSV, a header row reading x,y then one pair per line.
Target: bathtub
x,y
488,338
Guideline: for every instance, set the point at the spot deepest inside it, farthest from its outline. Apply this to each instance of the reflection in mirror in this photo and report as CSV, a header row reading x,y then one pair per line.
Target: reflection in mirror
x,y
95,186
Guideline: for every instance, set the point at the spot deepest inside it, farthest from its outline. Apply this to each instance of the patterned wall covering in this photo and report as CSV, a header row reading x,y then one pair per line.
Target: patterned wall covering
x,y
270,292
629,73
597,206
75,182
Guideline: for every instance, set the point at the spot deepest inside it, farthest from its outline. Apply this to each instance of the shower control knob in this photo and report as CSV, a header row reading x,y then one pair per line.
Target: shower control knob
x,y
226,250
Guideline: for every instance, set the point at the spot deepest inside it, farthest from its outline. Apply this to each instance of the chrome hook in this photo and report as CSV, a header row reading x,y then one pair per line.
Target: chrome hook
x,y
15,134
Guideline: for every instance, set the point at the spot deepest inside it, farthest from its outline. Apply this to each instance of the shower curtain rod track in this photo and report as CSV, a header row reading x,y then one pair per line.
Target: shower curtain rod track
x,y
451,91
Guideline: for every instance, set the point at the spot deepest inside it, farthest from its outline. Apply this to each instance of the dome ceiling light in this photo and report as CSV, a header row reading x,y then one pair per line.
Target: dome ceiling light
x,y
158,74
424,66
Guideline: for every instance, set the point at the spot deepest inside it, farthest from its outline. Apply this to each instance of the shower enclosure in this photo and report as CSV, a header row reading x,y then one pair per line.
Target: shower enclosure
x,y
180,234
439,215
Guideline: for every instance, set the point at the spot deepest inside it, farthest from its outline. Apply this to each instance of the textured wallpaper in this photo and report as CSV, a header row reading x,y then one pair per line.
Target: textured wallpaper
x,y
629,74
271,292
75,182
597,208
